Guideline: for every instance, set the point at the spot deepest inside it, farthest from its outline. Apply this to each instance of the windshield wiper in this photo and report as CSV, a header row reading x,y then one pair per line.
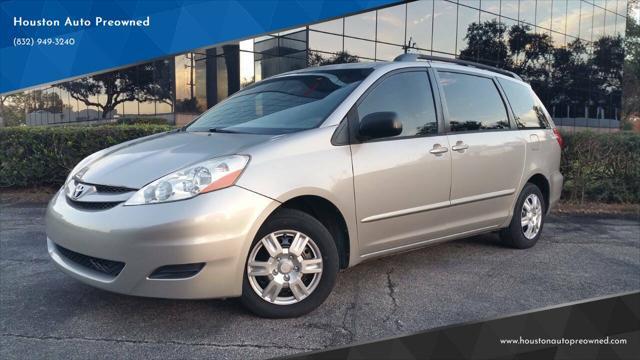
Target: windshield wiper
x,y
222,130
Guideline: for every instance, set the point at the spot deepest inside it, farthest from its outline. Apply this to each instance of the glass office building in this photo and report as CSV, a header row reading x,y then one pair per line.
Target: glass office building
x,y
571,51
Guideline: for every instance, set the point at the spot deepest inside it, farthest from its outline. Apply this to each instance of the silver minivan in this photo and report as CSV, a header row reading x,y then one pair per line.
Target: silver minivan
x,y
267,195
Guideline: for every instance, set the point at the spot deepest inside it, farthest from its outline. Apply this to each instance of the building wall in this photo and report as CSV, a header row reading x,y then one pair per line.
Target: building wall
x,y
569,50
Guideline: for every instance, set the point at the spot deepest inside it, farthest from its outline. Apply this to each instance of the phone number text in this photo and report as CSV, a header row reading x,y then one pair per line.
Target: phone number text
x,y
54,41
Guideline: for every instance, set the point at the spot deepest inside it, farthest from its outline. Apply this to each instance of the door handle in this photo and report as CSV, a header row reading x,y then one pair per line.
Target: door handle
x,y
460,146
438,149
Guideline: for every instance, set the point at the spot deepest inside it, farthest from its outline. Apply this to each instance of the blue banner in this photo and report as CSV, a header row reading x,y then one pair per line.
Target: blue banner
x,y
46,41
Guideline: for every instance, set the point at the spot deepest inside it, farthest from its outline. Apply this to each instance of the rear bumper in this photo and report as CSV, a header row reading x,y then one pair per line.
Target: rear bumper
x,y
215,228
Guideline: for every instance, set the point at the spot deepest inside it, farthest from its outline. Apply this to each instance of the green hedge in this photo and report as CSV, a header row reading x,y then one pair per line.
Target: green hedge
x,y
597,167
602,167
142,120
35,156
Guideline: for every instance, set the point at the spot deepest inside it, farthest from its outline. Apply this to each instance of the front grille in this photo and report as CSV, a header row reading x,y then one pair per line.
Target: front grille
x,y
107,267
93,205
112,189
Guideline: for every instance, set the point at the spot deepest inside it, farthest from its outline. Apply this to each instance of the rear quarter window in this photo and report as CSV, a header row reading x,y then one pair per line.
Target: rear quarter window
x,y
527,109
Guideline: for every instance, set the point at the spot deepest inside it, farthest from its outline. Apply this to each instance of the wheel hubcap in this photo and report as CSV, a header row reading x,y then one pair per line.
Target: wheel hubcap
x,y
284,267
531,216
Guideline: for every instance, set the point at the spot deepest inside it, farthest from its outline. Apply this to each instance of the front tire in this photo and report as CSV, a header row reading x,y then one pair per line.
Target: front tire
x,y
528,219
291,267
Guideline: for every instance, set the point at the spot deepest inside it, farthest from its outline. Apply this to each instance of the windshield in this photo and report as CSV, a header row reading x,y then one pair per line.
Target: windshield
x,y
282,105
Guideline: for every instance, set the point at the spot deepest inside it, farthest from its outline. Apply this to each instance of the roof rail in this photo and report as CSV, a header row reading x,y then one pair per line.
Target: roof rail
x,y
416,57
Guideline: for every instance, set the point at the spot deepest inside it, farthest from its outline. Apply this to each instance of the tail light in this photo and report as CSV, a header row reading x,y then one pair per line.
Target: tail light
x,y
558,136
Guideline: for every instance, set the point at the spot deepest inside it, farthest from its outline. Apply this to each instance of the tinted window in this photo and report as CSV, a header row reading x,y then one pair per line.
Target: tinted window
x,y
282,105
526,107
408,94
473,103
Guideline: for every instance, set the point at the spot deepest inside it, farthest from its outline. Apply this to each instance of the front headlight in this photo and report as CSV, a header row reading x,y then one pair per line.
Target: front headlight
x,y
196,179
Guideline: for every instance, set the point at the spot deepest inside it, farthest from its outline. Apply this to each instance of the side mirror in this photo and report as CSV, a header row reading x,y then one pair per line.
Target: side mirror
x,y
379,125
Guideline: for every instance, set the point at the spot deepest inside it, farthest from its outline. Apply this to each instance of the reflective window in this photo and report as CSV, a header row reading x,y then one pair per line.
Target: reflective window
x,y
408,94
622,7
559,40
609,23
471,3
297,33
247,63
360,48
200,75
333,26
543,14
386,52
509,9
598,23
473,103
621,25
325,42
559,14
391,24
419,23
466,17
528,11
573,18
491,6
485,17
185,84
361,25
586,21
526,108
444,26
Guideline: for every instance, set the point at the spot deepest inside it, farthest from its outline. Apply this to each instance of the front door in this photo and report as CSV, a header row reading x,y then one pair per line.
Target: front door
x,y
402,183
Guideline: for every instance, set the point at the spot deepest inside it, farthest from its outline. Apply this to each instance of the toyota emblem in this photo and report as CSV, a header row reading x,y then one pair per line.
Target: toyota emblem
x,y
79,191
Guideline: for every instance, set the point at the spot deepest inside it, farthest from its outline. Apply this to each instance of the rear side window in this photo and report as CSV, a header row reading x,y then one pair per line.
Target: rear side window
x,y
409,95
474,103
527,109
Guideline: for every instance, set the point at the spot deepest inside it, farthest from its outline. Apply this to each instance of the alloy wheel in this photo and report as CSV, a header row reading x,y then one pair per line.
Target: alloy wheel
x,y
531,216
284,267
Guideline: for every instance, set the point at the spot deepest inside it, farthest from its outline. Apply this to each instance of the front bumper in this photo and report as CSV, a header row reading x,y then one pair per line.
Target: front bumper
x,y
215,228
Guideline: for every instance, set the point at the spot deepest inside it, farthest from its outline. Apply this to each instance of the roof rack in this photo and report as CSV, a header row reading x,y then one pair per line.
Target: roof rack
x,y
416,57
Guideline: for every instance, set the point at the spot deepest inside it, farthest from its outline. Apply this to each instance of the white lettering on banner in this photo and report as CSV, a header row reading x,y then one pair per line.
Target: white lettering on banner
x,y
19,21
77,22
128,22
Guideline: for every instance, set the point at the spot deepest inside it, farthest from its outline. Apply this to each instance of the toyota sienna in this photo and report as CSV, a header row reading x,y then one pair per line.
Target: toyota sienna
x,y
267,195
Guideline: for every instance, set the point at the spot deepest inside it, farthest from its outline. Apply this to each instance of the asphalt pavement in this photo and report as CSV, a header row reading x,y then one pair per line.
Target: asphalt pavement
x,y
46,314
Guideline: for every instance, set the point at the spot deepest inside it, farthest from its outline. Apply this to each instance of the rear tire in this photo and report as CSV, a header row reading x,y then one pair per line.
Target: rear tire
x,y
291,267
527,220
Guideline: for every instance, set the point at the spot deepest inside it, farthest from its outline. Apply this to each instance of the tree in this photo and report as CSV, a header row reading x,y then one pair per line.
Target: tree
x,y
147,82
631,78
13,109
565,78
570,79
45,101
607,66
342,57
486,45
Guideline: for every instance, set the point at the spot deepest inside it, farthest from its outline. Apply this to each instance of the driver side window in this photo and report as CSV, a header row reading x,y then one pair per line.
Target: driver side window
x,y
409,95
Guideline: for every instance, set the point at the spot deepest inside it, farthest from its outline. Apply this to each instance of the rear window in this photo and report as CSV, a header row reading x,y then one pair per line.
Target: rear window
x,y
527,109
